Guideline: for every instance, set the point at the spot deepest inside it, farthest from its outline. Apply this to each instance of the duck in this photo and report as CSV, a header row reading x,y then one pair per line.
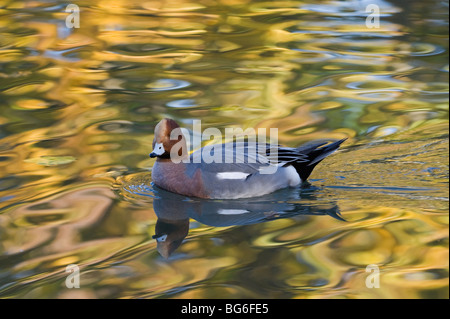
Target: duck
x,y
256,174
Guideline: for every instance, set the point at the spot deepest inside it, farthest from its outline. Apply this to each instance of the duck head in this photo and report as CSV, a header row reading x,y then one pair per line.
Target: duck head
x,y
169,141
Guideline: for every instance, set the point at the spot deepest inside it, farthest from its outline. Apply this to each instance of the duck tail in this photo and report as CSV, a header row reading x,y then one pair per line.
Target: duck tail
x,y
314,152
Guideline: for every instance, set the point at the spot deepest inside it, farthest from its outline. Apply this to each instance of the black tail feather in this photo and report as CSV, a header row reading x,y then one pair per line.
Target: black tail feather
x,y
315,152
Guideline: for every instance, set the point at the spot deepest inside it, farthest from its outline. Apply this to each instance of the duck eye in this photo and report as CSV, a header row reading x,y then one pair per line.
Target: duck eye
x,y
158,149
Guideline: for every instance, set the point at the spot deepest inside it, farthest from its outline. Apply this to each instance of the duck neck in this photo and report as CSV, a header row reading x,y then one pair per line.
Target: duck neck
x,y
167,158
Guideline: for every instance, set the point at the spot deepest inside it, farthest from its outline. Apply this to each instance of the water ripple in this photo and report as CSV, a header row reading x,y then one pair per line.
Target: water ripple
x,y
167,85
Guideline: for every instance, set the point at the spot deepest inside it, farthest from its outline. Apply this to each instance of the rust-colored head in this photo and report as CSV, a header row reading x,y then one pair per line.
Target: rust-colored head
x,y
168,135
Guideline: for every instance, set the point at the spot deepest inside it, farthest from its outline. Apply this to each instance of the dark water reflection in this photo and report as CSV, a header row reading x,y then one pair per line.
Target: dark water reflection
x,y
174,213
77,114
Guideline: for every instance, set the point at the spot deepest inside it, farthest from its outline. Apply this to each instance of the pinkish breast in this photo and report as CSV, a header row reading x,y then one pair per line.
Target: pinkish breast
x,y
172,177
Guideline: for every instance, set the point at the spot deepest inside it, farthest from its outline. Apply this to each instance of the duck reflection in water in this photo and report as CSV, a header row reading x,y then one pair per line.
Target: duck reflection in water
x,y
174,212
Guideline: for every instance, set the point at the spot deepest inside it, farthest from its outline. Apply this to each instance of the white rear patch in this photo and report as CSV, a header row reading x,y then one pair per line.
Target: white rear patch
x,y
232,211
159,149
292,176
232,175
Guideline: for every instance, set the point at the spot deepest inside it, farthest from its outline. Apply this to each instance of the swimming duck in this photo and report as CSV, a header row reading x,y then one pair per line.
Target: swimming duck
x,y
260,173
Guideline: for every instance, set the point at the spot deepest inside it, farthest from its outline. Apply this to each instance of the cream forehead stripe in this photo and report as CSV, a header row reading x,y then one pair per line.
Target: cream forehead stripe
x,y
159,149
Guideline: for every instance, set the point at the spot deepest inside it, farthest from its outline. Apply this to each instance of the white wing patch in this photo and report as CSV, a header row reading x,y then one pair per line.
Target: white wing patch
x,y
232,211
232,175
